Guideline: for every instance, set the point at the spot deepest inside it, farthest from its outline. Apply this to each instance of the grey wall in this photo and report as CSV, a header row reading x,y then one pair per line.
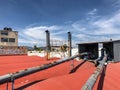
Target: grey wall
x,y
116,47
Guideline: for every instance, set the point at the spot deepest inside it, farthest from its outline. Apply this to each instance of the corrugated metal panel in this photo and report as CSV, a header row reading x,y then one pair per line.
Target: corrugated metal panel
x,y
116,51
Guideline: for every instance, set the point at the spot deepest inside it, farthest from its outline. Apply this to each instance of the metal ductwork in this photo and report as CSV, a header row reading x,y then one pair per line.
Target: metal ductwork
x,y
19,74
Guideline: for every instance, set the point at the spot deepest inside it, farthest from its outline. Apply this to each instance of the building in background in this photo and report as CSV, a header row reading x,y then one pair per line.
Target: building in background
x,y
8,37
9,43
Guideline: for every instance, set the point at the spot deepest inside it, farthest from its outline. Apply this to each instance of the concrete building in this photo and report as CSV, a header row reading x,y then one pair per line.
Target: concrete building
x,y
8,37
112,48
9,43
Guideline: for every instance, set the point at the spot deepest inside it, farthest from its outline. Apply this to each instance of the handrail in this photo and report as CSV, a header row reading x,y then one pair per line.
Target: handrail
x,y
21,73
93,78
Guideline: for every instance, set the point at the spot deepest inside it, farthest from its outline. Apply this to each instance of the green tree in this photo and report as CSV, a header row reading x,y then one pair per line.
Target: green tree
x,y
35,47
64,48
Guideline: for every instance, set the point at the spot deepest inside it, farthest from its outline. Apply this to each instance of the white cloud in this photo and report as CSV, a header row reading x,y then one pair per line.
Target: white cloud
x,y
108,26
39,31
102,26
93,12
37,35
92,15
80,36
94,29
77,26
116,4
98,29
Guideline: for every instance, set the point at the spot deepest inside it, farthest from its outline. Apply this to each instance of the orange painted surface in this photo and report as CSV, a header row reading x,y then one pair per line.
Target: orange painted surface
x,y
10,64
15,63
111,79
73,81
59,77
108,81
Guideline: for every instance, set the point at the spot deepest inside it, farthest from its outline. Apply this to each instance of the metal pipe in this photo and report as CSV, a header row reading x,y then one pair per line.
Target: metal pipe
x,y
48,44
69,44
15,75
92,79
12,80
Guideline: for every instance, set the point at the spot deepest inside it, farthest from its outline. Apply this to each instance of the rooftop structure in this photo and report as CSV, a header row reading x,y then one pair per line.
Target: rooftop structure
x,y
112,48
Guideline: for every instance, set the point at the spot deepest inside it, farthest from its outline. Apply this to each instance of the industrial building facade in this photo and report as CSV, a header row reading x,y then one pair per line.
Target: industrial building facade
x,y
8,37
112,48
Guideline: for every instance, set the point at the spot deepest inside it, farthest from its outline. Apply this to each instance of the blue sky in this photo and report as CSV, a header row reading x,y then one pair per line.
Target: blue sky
x,y
87,20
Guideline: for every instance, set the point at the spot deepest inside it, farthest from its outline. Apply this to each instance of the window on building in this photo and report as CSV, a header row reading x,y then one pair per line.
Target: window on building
x,y
4,33
11,39
4,39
